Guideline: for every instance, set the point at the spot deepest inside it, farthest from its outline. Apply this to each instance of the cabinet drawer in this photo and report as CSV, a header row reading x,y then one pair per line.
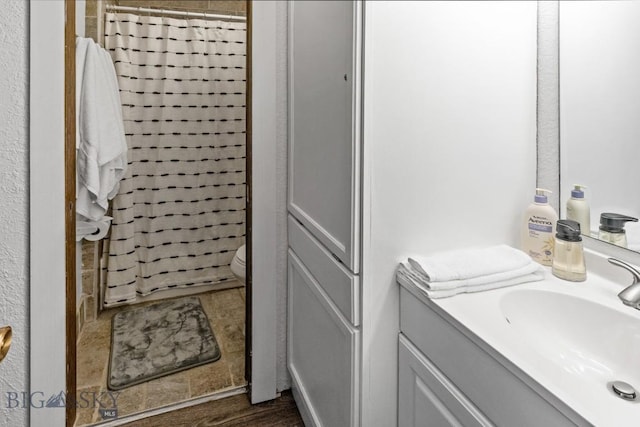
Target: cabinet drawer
x,y
427,397
340,284
500,390
324,353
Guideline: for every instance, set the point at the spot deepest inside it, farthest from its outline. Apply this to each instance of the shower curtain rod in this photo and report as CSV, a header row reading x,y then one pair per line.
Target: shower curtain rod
x,y
180,13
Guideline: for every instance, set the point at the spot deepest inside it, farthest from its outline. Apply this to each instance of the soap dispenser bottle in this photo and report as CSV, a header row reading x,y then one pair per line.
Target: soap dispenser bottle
x,y
568,257
578,209
612,228
539,228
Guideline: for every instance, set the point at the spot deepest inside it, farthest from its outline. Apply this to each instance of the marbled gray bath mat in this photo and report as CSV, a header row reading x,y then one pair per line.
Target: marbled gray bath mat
x,y
158,340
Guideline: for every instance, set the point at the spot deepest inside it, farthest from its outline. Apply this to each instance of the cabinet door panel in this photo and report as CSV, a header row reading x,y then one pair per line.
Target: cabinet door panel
x,y
323,353
427,398
323,117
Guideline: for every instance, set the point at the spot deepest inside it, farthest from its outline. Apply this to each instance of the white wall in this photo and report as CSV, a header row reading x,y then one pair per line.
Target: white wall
x,y
449,151
14,207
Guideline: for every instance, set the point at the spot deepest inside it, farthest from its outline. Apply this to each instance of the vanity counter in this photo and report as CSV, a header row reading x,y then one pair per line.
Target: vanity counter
x,y
565,341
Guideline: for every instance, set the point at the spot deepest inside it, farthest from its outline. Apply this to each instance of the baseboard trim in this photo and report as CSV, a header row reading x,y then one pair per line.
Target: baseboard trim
x,y
174,406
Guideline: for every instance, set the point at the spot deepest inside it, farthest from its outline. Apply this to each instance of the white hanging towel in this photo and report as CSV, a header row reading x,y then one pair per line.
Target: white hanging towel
x,y
101,144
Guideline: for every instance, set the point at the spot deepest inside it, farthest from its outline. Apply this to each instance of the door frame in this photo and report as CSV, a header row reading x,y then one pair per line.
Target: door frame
x,y
47,268
264,207
52,266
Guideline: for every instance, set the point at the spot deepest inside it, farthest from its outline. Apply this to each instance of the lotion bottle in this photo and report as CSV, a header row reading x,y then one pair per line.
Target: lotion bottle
x,y
568,256
578,209
612,228
538,229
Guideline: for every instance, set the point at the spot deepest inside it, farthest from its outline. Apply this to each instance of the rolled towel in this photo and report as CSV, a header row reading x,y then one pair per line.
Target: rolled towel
x,y
473,267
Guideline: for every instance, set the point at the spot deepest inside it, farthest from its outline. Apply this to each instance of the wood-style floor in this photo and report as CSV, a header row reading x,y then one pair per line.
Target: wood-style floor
x,y
235,411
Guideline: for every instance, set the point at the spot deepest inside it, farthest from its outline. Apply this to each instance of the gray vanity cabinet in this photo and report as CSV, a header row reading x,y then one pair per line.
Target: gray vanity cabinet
x,y
450,377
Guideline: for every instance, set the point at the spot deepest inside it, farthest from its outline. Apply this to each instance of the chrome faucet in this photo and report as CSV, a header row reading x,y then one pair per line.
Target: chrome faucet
x,y
631,294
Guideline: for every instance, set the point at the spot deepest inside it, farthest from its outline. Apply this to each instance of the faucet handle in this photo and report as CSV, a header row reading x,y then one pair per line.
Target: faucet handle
x,y
631,294
635,273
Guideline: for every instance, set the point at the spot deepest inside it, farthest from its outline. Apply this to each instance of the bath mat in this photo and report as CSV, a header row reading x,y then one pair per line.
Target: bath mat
x,y
159,339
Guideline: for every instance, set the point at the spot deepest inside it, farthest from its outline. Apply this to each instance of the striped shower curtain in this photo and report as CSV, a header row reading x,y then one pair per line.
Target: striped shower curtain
x,y
180,212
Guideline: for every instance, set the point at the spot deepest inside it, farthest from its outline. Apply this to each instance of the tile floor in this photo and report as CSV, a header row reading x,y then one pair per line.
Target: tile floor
x,y
225,310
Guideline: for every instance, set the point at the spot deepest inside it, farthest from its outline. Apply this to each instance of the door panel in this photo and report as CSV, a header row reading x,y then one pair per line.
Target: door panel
x,y
323,151
427,398
323,353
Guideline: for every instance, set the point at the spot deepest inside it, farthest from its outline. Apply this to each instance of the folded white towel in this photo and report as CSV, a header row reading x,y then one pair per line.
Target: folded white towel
x,y
472,267
469,270
405,276
483,280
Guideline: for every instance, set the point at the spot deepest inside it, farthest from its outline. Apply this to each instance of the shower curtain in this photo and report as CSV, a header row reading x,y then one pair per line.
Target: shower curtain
x,y
180,213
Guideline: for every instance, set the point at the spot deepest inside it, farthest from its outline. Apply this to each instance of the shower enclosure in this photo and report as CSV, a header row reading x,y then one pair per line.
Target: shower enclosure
x,y
179,215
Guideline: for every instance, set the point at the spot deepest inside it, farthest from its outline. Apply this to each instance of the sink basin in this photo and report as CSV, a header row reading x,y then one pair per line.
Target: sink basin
x,y
569,340
579,336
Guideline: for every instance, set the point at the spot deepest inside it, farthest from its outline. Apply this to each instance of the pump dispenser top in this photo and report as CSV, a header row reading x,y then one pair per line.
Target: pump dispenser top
x,y
614,222
568,230
612,228
577,192
541,196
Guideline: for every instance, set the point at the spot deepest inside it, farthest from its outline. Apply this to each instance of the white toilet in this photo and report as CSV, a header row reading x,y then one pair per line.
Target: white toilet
x,y
238,264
